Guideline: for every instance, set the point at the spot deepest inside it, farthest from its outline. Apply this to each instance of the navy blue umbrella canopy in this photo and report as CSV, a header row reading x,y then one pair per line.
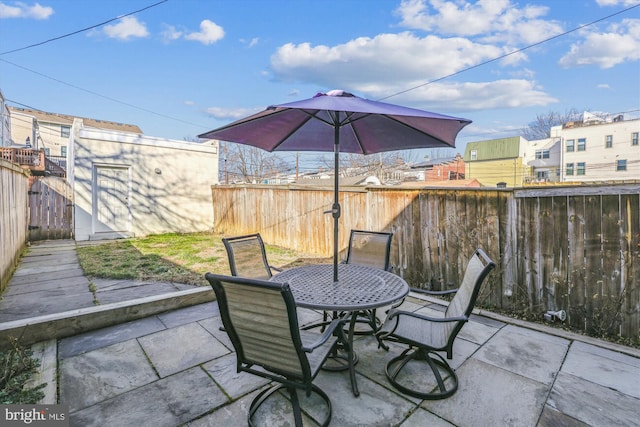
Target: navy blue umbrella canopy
x,y
341,122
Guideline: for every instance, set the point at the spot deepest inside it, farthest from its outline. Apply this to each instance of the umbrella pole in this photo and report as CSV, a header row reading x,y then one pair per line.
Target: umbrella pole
x,y
336,201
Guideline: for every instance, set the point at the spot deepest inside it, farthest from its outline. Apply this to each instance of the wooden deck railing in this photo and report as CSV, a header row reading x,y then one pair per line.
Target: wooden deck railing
x,y
34,160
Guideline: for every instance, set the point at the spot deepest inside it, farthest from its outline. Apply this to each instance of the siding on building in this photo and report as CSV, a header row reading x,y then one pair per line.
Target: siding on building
x,y
600,161
497,161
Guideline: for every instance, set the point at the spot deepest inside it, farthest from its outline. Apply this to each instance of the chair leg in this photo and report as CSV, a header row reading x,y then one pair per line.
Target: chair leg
x,y
295,403
436,364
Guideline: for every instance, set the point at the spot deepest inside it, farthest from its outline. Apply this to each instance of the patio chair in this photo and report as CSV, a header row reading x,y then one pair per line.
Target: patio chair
x,y
261,321
372,249
247,257
426,335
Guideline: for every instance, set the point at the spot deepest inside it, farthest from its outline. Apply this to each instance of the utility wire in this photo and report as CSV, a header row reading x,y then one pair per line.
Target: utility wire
x,y
390,96
100,95
86,90
512,52
84,29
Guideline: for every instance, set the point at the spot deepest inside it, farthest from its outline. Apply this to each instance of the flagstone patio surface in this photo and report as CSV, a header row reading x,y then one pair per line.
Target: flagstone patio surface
x,y
178,368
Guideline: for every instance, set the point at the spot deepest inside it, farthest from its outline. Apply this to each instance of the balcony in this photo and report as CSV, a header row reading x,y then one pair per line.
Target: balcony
x,y
35,161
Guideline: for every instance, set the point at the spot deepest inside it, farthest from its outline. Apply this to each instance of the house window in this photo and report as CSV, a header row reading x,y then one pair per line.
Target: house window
x,y
542,175
65,131
608,141
474,154
634,138
47,152
569,169
63,151
580,170
582,144
570,145
542,154
621,165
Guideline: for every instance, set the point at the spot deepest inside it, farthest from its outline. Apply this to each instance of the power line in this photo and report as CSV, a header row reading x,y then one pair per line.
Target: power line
x,y
201,126
512,52
80,88
84,29
99,95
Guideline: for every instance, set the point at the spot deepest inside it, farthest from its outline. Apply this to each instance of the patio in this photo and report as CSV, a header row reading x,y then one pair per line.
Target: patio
x,y
177,368
166,362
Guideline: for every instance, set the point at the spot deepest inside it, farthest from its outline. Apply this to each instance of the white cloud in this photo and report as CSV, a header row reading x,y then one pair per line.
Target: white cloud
x,y
620,44
209,33
170,33
514,93
126,28
603,86
368,65
230,113
21,10
250,43
488,20
386,57
617,2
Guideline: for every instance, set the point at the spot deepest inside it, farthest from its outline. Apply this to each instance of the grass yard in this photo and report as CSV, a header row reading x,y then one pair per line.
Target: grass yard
x,y
179,258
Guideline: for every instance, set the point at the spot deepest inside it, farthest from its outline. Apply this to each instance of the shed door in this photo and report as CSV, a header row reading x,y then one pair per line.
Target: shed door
x,y
111,212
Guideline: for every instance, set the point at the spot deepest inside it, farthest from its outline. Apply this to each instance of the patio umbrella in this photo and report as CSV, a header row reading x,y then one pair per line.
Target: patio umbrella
x,y
341,122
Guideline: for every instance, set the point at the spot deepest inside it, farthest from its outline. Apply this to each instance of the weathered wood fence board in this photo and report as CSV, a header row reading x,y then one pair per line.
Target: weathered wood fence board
x,y
570,248
14,182
51,209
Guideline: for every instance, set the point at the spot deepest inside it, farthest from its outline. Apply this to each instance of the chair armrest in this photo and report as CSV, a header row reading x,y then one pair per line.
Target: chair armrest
x,y
328,332
390,325
279,270
398,313
427,292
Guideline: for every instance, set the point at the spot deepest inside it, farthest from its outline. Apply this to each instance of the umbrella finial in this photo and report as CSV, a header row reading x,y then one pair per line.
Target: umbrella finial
x,y
338,92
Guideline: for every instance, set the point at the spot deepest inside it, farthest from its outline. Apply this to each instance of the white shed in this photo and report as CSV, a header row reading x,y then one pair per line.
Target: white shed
x,y
128,184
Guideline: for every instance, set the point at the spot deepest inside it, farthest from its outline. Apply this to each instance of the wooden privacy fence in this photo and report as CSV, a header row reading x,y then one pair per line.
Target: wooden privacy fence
x,y
51,209
570,248
14,182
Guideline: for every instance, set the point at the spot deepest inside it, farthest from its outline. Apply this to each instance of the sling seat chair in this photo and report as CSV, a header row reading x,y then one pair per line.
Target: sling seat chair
x,y
425,335
248,257
261,321
372,249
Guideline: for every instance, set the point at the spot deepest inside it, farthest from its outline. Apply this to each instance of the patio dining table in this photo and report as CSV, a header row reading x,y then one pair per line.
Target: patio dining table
x,y
358,288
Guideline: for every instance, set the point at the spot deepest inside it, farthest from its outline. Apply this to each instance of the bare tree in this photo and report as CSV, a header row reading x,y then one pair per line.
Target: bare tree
x,y
247,164
540,128
371,164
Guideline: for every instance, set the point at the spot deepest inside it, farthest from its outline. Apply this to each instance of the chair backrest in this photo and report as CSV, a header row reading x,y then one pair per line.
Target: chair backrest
x,y
478,267
370,248
261,321
247,256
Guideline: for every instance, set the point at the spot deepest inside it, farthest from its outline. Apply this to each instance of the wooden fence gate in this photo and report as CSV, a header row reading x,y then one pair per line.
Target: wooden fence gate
x,y
50,209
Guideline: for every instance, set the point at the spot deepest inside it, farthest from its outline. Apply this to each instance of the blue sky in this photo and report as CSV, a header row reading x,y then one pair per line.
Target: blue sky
x,y
182,67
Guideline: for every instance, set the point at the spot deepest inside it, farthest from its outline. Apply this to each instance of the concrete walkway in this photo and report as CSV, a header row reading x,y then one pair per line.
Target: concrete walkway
x,y
175,367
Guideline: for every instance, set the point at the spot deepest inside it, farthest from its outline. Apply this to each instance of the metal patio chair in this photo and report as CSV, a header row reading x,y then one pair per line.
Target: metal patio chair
x,y
248,257
425,335
372,249
261,321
